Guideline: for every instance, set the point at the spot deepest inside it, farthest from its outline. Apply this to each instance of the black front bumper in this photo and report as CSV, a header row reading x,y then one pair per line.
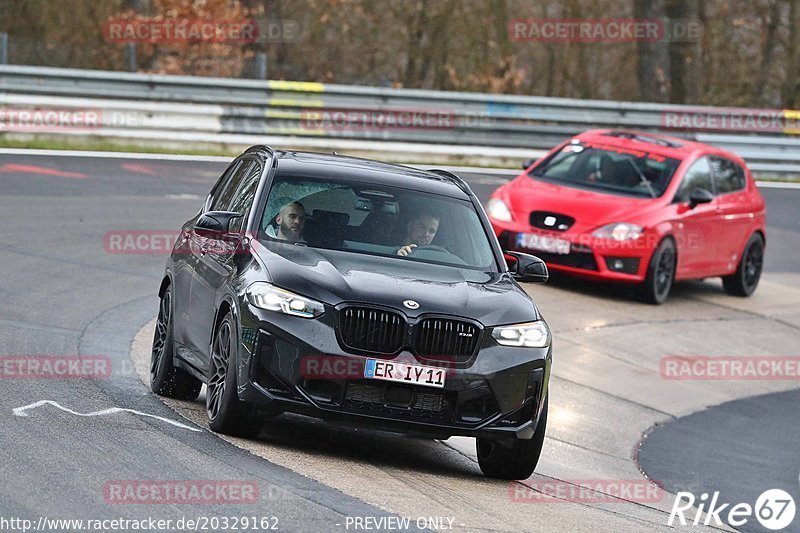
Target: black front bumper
x,y
499,395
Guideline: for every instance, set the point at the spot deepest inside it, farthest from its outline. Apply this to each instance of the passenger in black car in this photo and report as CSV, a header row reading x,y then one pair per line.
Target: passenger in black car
x,y
291,220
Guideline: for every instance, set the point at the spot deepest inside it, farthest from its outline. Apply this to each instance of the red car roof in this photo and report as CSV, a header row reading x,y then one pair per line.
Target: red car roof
x,y
666,145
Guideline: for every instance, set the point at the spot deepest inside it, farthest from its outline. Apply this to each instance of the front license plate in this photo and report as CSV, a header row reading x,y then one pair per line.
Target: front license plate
x,y
543,243
430,376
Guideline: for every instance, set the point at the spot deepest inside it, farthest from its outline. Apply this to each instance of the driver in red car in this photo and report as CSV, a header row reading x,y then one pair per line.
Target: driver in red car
x,y
420,232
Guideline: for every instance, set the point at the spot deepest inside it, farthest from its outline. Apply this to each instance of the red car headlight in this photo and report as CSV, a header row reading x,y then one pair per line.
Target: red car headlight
x,y
498,210
619,231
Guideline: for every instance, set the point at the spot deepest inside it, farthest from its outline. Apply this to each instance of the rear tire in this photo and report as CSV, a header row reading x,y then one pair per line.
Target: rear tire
x,y
166,379
513,458
226,412
744,281
660,274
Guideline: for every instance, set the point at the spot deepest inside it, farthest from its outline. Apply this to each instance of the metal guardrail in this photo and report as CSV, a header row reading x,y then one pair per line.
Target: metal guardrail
x,y
222,108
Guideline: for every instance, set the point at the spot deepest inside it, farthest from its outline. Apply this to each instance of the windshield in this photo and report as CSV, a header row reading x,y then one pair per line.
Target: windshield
x,y
611,169
373,219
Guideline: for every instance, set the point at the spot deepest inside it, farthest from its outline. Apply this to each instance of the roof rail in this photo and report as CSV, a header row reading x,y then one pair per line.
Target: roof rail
x,y
446,173
643,137
261,148
270,151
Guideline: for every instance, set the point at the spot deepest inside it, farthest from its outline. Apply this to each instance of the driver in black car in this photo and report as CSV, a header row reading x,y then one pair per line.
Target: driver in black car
x,y
420,232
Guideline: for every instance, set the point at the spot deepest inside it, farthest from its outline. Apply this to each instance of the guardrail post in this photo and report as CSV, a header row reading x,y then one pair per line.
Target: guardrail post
x,y
130,56
261,66
3,48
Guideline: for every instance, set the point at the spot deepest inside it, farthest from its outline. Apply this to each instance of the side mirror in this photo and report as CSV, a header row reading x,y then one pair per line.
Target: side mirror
x,y
527,163
215,224
529,268
700,196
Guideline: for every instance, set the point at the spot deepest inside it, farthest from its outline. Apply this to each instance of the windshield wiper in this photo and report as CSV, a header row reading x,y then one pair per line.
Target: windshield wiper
x,y
642,177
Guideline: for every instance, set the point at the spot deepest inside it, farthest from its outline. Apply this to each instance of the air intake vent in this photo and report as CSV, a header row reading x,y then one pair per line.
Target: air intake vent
x,y
390,399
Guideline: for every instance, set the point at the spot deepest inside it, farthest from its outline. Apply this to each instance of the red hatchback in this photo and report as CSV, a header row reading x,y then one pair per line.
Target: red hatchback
x,y
638,208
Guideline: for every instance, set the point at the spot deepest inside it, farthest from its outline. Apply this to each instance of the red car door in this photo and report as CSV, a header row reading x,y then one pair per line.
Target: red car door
x,y
697,230
735,207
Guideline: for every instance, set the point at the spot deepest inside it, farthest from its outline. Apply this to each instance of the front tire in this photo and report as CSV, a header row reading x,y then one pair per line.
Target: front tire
x,y
660,274
513,458
744,281
226,412
165,378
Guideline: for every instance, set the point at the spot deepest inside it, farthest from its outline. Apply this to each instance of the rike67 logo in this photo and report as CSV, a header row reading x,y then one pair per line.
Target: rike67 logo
x,y
774,509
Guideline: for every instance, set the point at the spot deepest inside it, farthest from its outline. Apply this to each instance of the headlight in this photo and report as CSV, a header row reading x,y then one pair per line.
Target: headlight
x,y
619,231
267,296
498,210
530,335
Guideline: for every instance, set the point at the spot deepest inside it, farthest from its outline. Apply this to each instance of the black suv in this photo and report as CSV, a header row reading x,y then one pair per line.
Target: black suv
x,y
359,291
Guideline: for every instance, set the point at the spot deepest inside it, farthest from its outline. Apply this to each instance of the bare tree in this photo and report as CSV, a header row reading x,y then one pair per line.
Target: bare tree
x,y
142,7
684,52
654,65
763,93
748,55
790,95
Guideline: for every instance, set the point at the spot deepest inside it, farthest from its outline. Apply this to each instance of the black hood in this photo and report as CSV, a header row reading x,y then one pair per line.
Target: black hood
x,y
334,277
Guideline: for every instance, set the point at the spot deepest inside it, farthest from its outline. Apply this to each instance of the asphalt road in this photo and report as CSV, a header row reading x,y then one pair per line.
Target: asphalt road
x,y
63,293
740,449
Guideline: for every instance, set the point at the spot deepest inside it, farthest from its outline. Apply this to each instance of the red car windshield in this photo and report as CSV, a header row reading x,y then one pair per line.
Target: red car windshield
x,y
612,169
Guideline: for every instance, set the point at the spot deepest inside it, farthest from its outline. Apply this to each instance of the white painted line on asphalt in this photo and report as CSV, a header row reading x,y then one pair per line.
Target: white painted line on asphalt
x,y
480,170
183,196
225,159
114,155
22,411
489,181
212,158
778,184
